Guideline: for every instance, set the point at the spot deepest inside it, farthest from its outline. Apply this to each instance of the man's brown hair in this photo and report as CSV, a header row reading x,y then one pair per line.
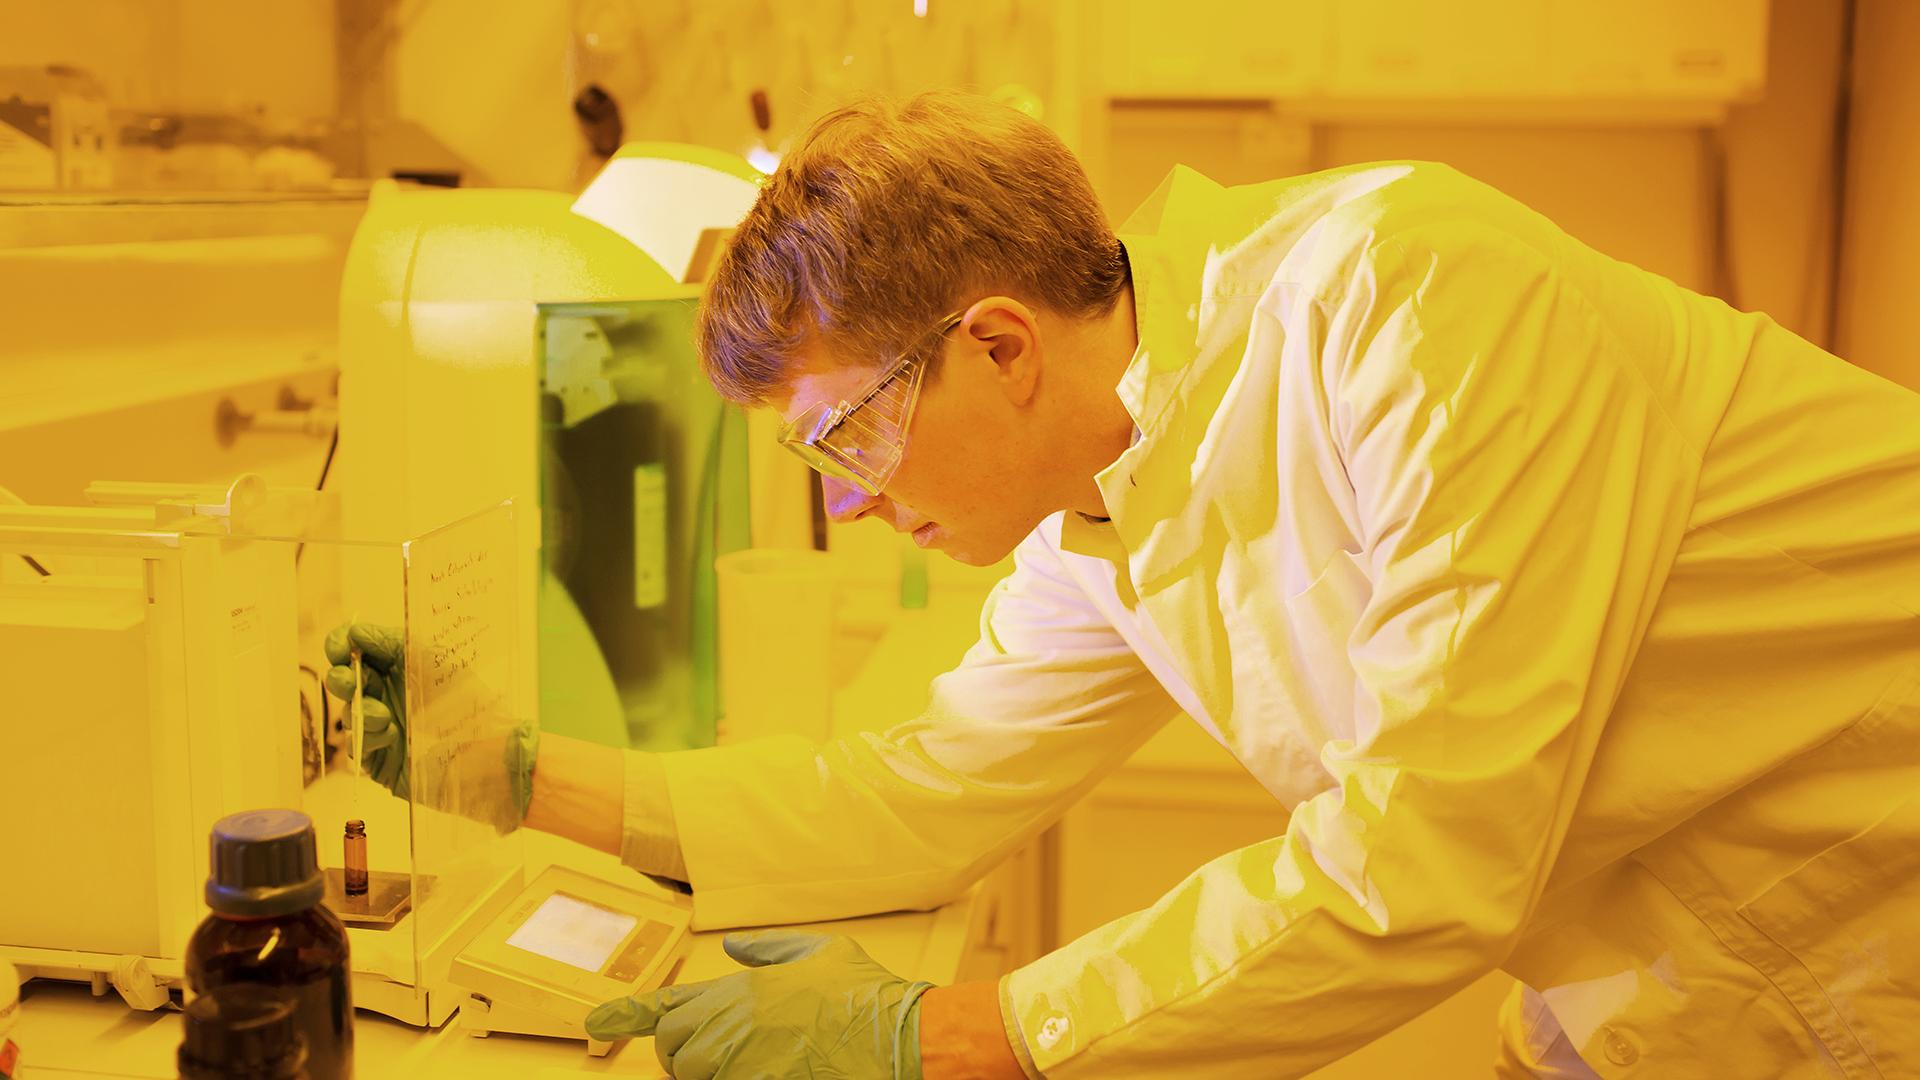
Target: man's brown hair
x,y
887,217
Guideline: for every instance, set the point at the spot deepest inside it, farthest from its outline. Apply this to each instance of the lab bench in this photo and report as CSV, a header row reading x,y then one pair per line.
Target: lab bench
x,y
66,1032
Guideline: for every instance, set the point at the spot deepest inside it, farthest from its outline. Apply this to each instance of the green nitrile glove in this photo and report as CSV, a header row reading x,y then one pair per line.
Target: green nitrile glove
x,y
523,746
383,742
811,1007
383,703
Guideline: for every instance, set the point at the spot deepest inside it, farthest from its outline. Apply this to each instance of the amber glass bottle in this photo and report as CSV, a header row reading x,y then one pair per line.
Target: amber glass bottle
x,y
241,1031
268,928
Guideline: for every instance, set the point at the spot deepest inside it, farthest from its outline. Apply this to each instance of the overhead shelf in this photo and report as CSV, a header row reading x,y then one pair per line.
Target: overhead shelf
x,y
31,219
1521,60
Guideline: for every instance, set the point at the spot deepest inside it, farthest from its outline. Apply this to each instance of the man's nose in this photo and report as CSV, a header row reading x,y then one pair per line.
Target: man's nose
x,y
845,501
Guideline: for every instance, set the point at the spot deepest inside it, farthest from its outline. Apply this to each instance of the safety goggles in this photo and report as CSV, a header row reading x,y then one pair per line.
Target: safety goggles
x,y
862,439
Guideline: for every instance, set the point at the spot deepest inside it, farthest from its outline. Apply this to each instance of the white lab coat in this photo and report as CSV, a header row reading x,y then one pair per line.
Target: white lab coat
x,y
1573,616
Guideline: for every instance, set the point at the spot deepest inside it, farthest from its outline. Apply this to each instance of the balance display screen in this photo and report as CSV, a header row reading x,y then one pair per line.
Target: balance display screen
x,y
573,931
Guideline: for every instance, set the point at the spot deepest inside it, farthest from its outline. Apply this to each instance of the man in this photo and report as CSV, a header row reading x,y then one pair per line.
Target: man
x,y
1574,617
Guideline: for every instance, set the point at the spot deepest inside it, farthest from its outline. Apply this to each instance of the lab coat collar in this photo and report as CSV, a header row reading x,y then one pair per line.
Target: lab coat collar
x,y
1168,253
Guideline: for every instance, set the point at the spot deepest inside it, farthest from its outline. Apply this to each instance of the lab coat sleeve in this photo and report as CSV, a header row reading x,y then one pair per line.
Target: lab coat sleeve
x,y
649,841
1521,496
1049,700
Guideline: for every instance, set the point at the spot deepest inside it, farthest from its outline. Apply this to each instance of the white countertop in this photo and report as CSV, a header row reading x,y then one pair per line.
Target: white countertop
x,y
65,1032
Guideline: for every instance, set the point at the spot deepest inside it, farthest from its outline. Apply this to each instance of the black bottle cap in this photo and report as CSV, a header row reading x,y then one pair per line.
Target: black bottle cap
x,y
241,1031
264,862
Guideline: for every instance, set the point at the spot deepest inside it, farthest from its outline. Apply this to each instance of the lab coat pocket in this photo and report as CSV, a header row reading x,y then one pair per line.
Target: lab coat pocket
x,y
1850,918
1320,621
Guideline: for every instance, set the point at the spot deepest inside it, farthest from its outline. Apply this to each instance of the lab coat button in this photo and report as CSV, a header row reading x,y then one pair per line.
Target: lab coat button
x,y
1620,1049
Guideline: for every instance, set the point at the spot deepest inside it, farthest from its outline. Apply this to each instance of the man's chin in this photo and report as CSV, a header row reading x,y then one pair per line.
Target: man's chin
x,y
968,558
972,553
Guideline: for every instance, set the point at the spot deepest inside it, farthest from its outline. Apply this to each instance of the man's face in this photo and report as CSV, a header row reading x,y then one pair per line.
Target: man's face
x,y
972,481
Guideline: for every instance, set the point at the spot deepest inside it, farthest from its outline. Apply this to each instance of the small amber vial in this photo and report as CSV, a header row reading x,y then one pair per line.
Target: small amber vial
x,y
356,858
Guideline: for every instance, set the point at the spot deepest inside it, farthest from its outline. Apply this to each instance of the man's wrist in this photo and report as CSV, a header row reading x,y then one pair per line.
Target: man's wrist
x,y
962,1036
577,792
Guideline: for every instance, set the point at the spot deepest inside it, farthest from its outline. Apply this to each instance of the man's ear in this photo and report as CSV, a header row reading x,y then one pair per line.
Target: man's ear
x,y
1005,332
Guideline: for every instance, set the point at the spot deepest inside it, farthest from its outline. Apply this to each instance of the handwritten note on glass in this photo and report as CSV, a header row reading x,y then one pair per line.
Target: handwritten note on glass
x,y
461,689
